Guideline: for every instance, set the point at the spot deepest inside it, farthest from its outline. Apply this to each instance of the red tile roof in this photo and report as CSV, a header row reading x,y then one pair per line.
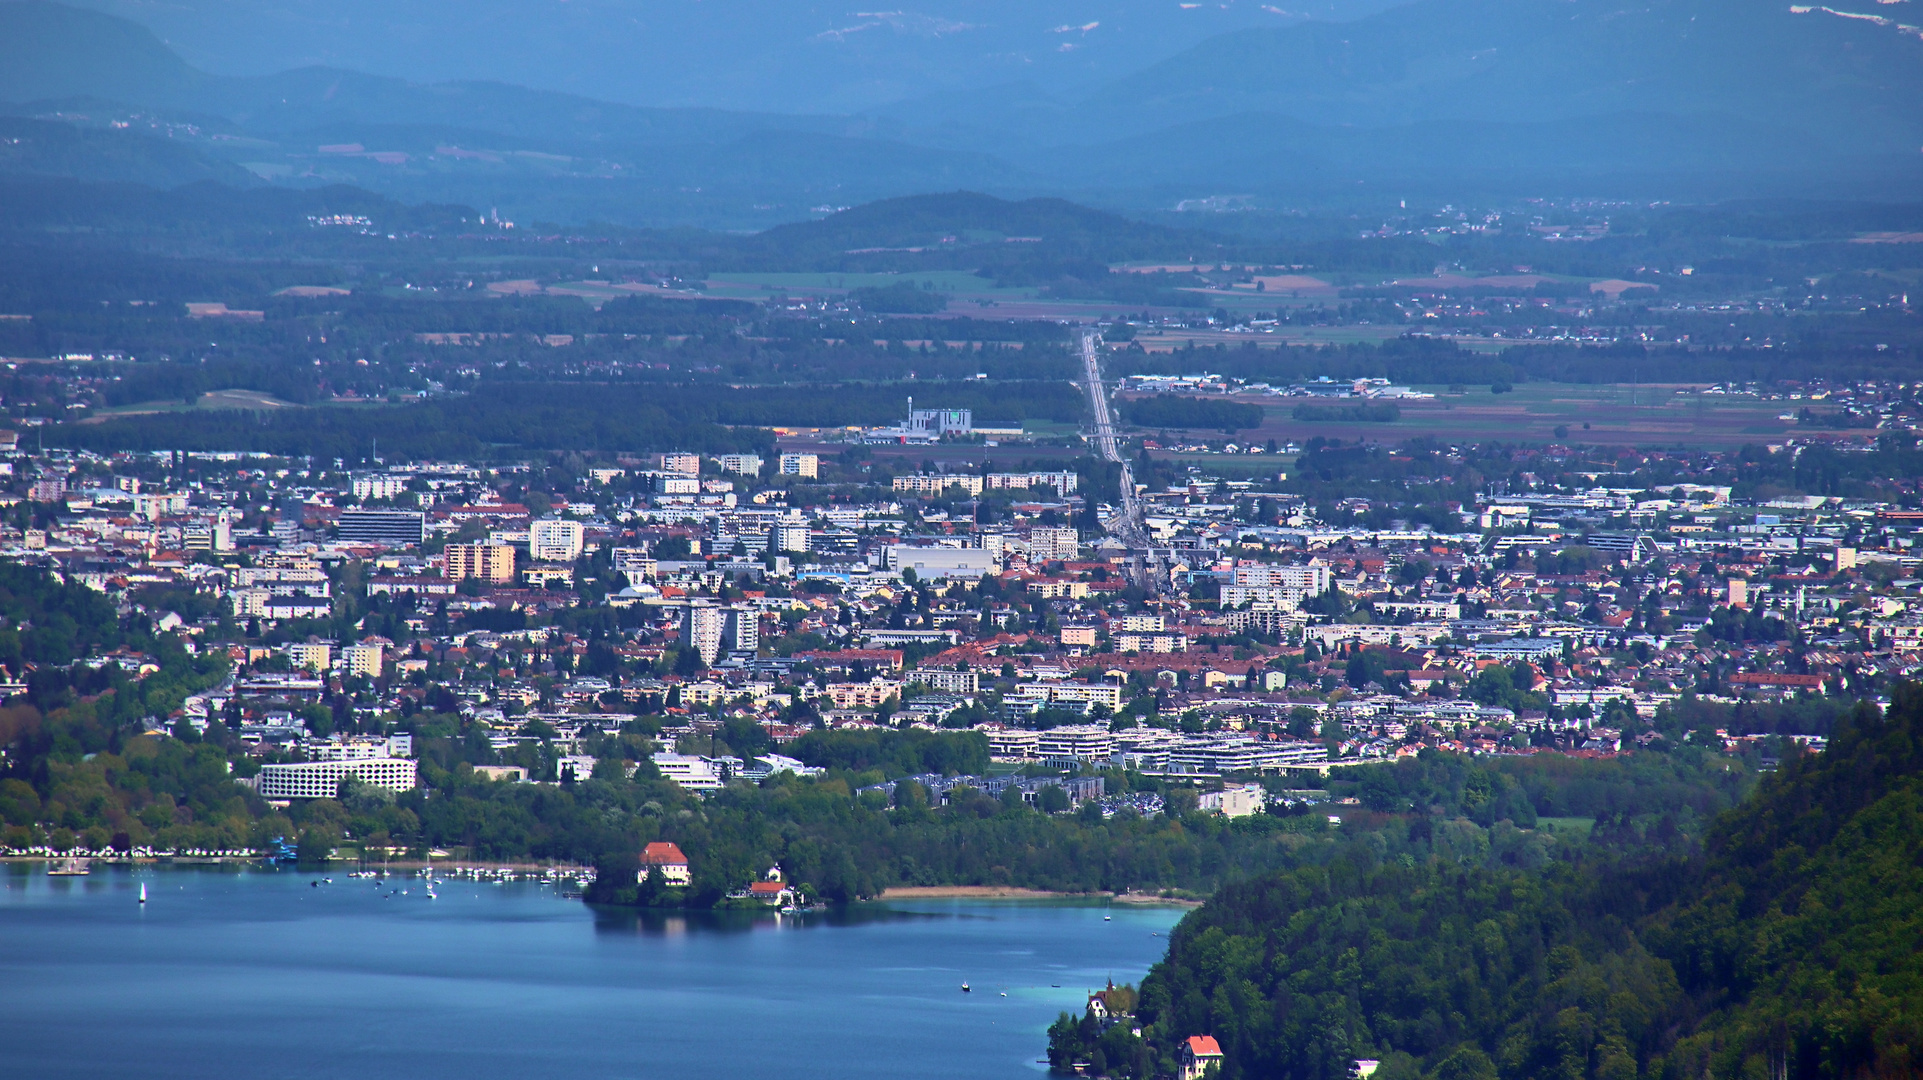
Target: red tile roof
x,y
1204,1046
661,853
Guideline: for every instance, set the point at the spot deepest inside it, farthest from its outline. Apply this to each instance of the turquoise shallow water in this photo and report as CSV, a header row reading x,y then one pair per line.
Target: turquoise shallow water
x,y
256,973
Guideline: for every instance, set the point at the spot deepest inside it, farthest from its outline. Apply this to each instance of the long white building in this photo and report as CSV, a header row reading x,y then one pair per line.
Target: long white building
x,y
322,779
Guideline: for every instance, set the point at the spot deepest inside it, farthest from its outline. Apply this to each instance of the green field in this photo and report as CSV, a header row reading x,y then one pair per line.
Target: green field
x,y
1581,826
948,281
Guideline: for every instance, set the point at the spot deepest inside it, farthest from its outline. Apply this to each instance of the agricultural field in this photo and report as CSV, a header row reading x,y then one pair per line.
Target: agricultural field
x,y
1640,415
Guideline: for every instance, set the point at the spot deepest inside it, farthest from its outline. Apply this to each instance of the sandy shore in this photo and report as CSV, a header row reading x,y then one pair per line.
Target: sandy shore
x,y
1010,892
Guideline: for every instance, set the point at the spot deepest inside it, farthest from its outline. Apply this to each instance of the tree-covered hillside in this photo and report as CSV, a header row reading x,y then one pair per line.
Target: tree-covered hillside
x,y
1784,947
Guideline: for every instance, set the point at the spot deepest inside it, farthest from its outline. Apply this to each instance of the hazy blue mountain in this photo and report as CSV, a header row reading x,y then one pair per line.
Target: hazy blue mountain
x,y
1543,60
1663,99
753,55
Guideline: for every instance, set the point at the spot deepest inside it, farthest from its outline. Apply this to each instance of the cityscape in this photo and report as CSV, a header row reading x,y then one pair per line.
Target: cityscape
x,y
1143,541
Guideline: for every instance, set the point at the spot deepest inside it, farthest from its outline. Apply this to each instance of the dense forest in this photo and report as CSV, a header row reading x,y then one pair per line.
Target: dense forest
x,y
1174,411
1780,941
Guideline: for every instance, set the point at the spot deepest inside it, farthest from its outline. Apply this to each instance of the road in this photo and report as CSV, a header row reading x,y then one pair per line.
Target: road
x,y
1144,568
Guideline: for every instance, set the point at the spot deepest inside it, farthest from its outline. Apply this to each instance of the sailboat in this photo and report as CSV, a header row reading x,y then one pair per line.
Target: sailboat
x,y
143,892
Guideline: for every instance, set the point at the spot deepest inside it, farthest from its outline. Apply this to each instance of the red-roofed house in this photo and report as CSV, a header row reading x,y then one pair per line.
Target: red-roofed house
x,y
1198,1054
667,858
772,890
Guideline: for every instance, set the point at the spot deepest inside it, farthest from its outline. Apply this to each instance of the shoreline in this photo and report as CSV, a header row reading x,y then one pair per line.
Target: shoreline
x,y
394,865
1012,892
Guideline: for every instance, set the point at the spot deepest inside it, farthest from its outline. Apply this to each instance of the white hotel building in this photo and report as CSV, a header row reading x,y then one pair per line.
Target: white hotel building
x,y
322,779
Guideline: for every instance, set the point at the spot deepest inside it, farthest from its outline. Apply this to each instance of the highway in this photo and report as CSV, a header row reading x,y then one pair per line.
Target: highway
x,y
1144,569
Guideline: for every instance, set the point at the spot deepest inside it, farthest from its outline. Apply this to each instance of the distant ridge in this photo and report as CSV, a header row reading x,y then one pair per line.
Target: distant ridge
x,y
1455,99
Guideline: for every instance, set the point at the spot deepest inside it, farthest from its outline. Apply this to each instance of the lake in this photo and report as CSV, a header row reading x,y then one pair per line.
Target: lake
x,y
242,973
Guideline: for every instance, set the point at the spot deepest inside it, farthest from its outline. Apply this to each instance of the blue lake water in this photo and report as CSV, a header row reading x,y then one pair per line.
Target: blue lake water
x,y
256,973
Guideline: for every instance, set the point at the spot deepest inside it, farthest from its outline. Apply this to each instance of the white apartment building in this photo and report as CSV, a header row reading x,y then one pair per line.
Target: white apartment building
x,y
744,464
1051,542
1062,482
1309,577
378,486
322,779
806,465
681,462
1151,643
555,540
702,628
788,536
952,682
937,483
741,631
1078,693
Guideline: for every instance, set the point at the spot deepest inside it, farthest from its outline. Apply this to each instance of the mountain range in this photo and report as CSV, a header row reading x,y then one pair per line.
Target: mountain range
x,y
1444,99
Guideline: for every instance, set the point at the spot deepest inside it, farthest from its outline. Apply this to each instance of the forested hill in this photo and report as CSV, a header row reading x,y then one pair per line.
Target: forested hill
x,y
1785,948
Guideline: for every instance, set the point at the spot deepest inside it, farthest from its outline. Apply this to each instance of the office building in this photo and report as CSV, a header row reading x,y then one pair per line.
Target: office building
x,y
555,540
387,528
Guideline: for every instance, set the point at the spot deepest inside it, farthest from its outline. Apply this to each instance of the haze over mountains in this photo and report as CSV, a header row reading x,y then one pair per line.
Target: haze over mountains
x,y
757,117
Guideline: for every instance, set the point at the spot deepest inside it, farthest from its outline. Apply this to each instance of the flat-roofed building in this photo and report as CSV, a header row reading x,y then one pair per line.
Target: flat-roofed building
x,y
492,563
555,540
387,528
322,779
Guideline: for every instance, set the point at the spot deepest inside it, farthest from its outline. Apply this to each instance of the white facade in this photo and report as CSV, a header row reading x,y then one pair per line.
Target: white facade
x,y
953,682
742,631
702,629
378,486
555,540
322,779
1054,543
1078,742
789,536
693,773
808,465
745,464
1309,578
1238,801
942,562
